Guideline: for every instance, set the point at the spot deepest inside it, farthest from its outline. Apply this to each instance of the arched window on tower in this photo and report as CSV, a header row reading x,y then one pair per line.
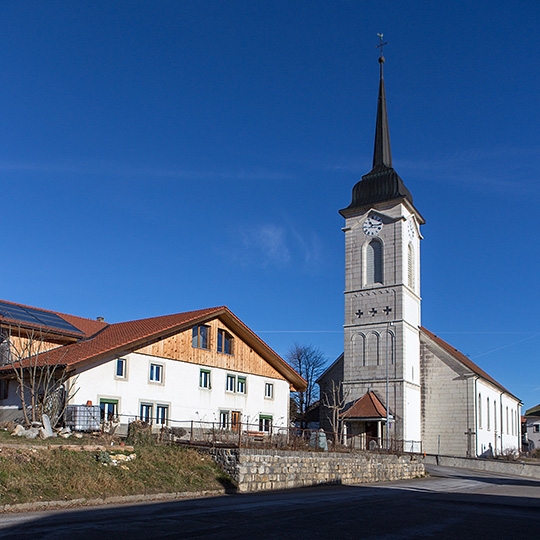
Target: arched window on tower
x,y
374,262
410,266
359,349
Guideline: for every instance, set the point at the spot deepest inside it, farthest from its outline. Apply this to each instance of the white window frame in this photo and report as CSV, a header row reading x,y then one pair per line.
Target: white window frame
x,y
115,401
205,377
241,384
124,362
165,407
265,423
157,375
224,419
230,383
269,390
149,408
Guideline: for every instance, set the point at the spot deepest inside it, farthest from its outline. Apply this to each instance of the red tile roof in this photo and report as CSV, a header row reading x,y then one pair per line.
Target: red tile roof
x,y
368,406
106,340
463,359
121,337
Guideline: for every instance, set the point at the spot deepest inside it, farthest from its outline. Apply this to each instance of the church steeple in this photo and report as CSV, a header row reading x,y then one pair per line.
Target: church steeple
x,y
382,183
382,155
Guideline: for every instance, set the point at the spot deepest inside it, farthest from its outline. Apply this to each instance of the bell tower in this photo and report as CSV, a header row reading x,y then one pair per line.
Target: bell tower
x,y
382,296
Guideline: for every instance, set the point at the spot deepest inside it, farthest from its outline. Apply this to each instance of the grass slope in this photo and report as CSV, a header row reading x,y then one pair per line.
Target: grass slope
x,y
30,474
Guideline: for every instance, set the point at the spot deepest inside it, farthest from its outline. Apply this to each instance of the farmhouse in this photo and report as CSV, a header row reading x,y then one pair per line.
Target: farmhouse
x,y
204,366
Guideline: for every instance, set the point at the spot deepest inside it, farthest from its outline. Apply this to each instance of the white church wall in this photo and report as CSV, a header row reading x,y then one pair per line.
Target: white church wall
x,y
492,435
412,424
411,310
411,363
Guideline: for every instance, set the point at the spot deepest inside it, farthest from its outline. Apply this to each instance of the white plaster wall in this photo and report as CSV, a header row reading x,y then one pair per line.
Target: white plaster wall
x,y
532,435
411,310
413,426
499,439
180,391
411,361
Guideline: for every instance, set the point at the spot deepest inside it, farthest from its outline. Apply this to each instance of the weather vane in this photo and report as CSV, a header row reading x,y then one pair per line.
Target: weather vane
x,y
381,44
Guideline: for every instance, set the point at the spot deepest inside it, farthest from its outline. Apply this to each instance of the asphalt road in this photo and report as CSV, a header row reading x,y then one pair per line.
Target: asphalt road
x,y
451,503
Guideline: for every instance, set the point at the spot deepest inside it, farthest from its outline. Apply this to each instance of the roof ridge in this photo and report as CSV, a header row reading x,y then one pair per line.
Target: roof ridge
x,y
157,317
465,360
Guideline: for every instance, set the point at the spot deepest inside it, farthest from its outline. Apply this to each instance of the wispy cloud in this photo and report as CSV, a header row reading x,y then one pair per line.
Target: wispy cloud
x,y
272,245
123,170
263,245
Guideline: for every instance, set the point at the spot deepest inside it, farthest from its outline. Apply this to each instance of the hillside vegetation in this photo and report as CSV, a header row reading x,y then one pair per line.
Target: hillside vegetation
x,y
48,473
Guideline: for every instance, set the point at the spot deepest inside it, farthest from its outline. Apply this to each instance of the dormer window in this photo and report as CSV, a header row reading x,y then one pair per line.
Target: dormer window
x,y
224,342
200,336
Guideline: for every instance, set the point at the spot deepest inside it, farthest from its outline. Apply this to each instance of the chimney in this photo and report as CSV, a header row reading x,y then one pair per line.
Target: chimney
x,y
100,319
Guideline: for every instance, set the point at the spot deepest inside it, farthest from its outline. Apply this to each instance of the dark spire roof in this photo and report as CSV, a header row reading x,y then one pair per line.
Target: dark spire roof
x,y
382,154
382,183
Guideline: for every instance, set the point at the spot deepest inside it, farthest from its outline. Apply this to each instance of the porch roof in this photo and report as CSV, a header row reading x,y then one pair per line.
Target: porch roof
x,y
368,407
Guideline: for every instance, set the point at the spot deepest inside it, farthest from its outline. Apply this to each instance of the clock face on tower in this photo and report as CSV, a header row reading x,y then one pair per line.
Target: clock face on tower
x,y
372,226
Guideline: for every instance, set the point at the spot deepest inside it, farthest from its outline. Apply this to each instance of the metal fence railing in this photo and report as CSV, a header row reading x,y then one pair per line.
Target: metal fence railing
x,y
241,434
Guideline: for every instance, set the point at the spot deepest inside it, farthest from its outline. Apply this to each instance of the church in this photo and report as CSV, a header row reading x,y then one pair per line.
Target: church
x,y
397,385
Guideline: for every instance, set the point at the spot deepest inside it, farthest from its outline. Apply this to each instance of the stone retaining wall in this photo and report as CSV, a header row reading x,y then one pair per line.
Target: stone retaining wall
x,y
257,470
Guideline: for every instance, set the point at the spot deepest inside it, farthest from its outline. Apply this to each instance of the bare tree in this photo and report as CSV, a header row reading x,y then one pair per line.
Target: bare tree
x,y
309,362
43,384
335,399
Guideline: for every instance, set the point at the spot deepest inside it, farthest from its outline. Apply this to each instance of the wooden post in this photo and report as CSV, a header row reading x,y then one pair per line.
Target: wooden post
x,y
191,435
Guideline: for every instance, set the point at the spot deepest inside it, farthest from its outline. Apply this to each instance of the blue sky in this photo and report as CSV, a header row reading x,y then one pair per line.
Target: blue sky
x,y
158,157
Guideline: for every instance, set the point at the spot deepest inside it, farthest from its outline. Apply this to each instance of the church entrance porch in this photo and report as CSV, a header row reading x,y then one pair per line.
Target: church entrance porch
x,y
365,422
365,434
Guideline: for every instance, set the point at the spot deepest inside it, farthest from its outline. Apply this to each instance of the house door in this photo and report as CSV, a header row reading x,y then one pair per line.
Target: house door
x,y
235,420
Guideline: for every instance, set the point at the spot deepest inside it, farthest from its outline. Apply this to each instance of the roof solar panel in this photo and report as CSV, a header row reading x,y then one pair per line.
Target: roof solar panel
x,y
36,317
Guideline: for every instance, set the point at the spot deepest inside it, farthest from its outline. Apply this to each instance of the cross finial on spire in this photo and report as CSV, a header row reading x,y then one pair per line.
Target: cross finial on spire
x,y
381,45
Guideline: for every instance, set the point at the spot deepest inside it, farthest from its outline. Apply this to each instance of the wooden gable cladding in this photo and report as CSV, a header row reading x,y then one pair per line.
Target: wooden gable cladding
x,y
23,346
244,359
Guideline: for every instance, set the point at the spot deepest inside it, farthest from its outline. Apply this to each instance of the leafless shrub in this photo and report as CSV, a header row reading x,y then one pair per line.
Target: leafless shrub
x,y
43,385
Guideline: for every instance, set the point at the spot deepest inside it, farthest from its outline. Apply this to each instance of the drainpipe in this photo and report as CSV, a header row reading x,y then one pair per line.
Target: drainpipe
x,y
476,415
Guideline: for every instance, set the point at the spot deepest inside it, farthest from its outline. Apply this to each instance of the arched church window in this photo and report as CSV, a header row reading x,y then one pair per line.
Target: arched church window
x,y
359,348
374,262
479,411
410,266
389,347
373,351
